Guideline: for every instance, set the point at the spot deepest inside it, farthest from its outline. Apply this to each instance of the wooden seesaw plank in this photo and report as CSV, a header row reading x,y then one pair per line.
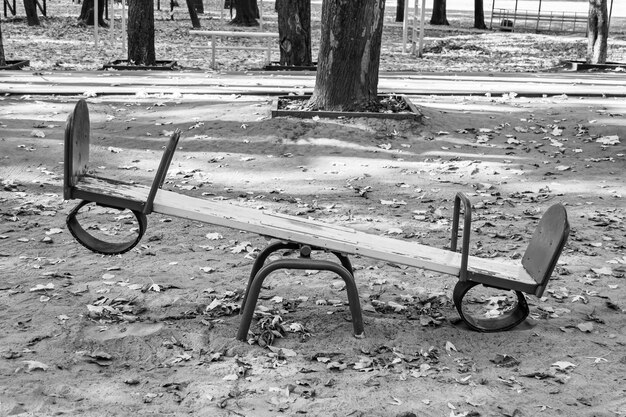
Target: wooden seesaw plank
x,y
311,232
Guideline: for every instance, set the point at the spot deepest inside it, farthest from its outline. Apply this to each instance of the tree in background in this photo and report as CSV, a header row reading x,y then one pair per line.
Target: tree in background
x,y
86,13
141,32
247,13
294,32
31,12
598,32
479,15
400,11
439,13
199,6
349,56
195,22
3,61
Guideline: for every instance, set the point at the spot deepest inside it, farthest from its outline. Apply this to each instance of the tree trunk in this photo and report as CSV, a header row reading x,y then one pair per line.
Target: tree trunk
x,y
195,22
598,32
141,32
479,15
294,31
86,13
199,6
349,56
173,4
439,13
3,61
247,13
31,12
400,11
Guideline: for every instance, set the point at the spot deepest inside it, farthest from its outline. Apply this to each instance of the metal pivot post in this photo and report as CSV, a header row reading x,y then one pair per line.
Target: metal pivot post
x,y
260,271
273,247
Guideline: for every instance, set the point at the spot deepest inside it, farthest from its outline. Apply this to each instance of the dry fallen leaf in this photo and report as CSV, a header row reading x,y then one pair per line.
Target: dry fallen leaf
x,y
562,365
450,347
288,353
35,366
608,140
41,287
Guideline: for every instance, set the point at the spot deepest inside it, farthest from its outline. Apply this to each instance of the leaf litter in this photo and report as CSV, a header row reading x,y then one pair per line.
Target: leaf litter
x,y
508,213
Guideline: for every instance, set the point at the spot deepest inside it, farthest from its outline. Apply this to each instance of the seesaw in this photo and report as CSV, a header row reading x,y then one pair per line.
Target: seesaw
x,y
531,276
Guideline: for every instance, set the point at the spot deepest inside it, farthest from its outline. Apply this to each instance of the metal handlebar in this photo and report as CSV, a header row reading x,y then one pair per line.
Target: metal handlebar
x,y
467,211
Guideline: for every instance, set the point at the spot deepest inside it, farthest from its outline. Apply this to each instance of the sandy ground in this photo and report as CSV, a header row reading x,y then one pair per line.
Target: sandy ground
x,y
152,332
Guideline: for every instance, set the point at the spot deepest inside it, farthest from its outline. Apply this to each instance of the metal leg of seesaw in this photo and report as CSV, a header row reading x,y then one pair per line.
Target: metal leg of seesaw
x,y
259,262
254,290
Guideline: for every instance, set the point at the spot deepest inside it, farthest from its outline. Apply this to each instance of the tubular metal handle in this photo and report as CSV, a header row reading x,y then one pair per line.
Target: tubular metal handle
x,y
467,223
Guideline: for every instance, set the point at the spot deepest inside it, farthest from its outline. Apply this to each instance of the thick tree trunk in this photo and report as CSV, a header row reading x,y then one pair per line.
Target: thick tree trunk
x,y
31,12
141,32
294,31
2,59
195,22
439,13
86,13
479,15
247,13
598,32
349,56
400,11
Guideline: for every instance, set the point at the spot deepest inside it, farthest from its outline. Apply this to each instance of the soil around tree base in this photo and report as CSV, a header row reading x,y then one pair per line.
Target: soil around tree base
x,y
585,66
123,64
397,107
276,66
15,64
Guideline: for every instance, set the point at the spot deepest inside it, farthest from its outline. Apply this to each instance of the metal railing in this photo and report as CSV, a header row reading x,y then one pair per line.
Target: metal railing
x,y
511,20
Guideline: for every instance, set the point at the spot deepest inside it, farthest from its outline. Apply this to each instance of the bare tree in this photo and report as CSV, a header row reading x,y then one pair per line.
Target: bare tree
x,y
479,15
247,13
294,31
400,11
195,22
31,12
439,13
598,32
349,56
86,13
141,32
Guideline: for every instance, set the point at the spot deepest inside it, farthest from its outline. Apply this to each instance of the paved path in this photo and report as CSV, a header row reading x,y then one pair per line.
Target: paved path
x,y
279,83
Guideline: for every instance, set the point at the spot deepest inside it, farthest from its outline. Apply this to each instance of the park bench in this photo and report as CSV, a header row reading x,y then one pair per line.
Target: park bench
x,y
306,236
216,35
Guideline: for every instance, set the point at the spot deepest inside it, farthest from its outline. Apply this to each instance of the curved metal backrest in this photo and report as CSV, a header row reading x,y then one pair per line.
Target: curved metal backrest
x,y
76,147
546,245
